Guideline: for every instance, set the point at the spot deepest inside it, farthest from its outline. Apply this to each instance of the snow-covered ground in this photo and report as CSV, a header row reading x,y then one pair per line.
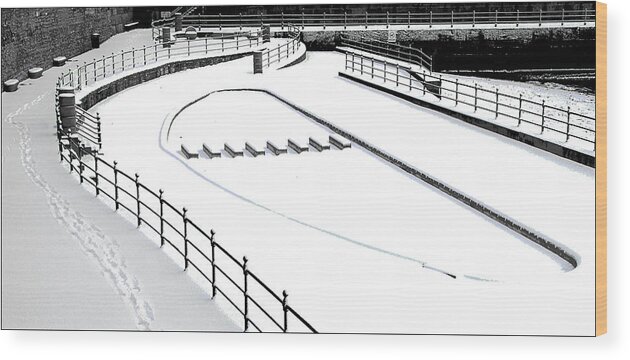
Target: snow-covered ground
x,y
68,262
347,234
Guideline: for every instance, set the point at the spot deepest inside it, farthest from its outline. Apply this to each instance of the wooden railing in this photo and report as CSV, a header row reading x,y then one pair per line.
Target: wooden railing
x,y
546,117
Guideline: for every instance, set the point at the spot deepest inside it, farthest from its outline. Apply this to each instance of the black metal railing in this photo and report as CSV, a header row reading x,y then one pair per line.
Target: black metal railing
x,y
391,50
107,66
554,119
228,276
387,19
284,50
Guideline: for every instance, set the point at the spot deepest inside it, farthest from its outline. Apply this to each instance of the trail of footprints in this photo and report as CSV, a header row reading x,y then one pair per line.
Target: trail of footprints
x,y
295,146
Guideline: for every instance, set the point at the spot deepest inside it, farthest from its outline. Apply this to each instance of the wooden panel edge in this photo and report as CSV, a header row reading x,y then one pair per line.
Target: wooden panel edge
x,y
601,320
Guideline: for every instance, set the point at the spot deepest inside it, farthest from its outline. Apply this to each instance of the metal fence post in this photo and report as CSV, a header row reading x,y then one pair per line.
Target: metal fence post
x,y
520,106
385,71
221,22
568,121
397,75
496,17
104,70
424,82
452,17
408,19
188,45
98,129
456,91
138,199
430,19
518,17
282,20
245,310
473,19
540,17
440,99
372,68
361,57
116,185
410,82
302,20
80,156
366,19
562,23
155,52
161,198
214,278
345,20
85,72
496,103
542,124
240,21
475,97
122,59
285,322
585,16
324,20
185,220
133,57
387,19
96,174
144,54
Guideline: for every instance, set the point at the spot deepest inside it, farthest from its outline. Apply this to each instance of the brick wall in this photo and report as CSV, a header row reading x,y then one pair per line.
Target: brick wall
x,y
34,36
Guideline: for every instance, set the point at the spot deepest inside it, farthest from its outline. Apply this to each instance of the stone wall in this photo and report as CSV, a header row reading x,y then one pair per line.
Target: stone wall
x,y
32,37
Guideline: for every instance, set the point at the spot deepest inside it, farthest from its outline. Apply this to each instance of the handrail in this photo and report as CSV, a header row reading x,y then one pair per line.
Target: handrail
x,y
107,66
107,180
495,102
282,51
392,50
122,188
405,19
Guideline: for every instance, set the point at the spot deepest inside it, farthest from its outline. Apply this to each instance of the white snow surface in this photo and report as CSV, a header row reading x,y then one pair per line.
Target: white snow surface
x,y
68,262
355,241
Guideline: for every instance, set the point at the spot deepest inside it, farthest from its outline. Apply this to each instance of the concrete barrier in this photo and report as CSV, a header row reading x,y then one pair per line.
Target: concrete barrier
x,y
233,153
253,151
338,143
295,147
317,146
209,152
189,154
274,149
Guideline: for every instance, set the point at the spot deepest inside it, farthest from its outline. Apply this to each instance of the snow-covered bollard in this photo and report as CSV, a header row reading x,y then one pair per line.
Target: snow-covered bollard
x,y
67,111
59,61
166,37
11,85
35,73
258,62
178,21
266,33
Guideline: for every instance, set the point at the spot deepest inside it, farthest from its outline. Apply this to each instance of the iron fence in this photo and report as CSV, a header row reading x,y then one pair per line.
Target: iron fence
x,y
229,277
284,50
557,120
387,19
107,66
391,50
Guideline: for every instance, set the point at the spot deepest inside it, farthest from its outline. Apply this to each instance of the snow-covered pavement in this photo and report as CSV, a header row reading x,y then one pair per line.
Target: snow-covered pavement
x,y
68,262
347,234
